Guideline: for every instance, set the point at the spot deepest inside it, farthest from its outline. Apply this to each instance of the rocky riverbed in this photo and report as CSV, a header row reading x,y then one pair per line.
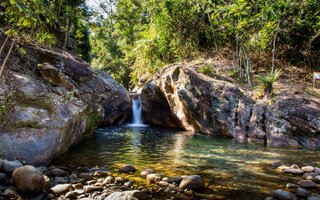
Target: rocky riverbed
x,y
27,182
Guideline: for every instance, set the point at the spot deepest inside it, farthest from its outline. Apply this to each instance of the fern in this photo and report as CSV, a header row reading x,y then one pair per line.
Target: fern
x,y
265,87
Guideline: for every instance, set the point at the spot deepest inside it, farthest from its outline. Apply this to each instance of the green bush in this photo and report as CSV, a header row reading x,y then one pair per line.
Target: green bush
x,y
207,70
265,87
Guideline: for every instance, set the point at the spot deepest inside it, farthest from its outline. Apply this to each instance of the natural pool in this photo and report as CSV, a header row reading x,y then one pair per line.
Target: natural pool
x,y
231,170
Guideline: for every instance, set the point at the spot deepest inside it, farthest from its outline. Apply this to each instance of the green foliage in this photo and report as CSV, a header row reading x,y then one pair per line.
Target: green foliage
x,y
5,107
207,70
265,87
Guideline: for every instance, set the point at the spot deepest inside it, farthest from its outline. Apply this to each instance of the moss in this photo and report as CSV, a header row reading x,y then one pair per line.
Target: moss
x,y
29,124
207,70
92,121
5,108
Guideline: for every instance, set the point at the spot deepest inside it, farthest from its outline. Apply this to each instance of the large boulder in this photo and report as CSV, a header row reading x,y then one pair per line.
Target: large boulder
x,y
180,96
28,180
50,101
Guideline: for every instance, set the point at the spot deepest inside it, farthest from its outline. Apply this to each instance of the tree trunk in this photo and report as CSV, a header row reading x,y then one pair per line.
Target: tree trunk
x,y
274,48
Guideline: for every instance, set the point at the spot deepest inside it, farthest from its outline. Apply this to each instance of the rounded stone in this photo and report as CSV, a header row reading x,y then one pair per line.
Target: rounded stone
x,y
127,169
191,182
307,169
58,172
282,195
307,184
153,178
28,180
146,172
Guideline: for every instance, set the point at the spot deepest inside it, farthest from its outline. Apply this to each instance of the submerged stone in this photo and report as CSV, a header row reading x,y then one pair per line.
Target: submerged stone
x,y
191,182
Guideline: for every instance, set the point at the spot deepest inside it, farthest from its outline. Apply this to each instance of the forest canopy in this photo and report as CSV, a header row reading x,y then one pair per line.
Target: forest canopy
x,y
131,39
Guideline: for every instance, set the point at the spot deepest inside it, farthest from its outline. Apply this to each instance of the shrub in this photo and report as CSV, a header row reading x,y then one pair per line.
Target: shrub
x,y
265,87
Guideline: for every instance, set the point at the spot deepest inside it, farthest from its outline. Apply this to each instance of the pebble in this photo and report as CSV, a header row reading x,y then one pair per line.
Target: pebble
x,y
153,178
108,180
61,188
58,172
302,193
282,195
146,172
10,166
86,176
120,180
307,169
191,182
89,188
291,186
307,184
314,197
127,169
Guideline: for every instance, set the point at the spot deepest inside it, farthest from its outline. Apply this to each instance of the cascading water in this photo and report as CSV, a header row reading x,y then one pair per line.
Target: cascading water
x,y
136,112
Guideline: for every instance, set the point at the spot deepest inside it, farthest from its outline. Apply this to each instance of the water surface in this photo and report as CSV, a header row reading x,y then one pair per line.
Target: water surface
x,y
230,169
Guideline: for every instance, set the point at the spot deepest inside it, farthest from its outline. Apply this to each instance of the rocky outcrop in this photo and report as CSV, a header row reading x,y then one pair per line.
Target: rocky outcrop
x,y
51,100
179,96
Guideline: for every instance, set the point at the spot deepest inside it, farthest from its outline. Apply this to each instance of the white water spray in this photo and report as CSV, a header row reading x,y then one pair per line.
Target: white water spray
x,y
136,111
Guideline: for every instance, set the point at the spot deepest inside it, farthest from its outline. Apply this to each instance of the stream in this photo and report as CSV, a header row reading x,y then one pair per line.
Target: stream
x,y
230,169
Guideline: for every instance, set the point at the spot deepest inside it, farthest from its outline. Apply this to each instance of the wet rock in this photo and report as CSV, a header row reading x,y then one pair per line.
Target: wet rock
x,y
302,193
153,178
307,184
310,176
28,180
163,183
191,182
127,169
283,195
74,194
61,180
58,172
317,170
316,179
3,179
128,184
314,197
293,171
308,169
10,166
128,195
60,189
108,180
291,186
91,182
89,188
176,180
146,172
86,176
11,192
120,180
100,174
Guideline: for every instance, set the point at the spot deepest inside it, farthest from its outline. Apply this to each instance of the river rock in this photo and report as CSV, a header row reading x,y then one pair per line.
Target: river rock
x,y
310,176
100,174
302,193
57,106
58,172
146,172
191,182
109,180
3,179
10,166
86,176
307,184
176,179
74,194
153,178
127,169
317,170
283,195
308,169
89,188
314,197
293,171
291,186
316,179
128,195
120,180
60,188
179,96
28,180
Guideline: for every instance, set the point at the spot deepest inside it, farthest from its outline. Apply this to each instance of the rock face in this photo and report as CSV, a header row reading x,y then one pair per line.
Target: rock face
x,y
179,96
28,180
50,101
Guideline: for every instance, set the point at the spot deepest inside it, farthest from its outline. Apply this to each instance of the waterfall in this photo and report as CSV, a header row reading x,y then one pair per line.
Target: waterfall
x,y
136,111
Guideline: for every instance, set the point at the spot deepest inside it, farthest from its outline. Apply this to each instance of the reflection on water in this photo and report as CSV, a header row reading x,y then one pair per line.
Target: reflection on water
x,y
231,169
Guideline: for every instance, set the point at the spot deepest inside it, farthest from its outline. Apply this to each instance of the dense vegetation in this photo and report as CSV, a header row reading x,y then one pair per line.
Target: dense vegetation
x,y
131,39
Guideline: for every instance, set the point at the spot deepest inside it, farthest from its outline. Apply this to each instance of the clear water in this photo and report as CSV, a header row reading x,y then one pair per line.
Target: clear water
x,y
231,170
